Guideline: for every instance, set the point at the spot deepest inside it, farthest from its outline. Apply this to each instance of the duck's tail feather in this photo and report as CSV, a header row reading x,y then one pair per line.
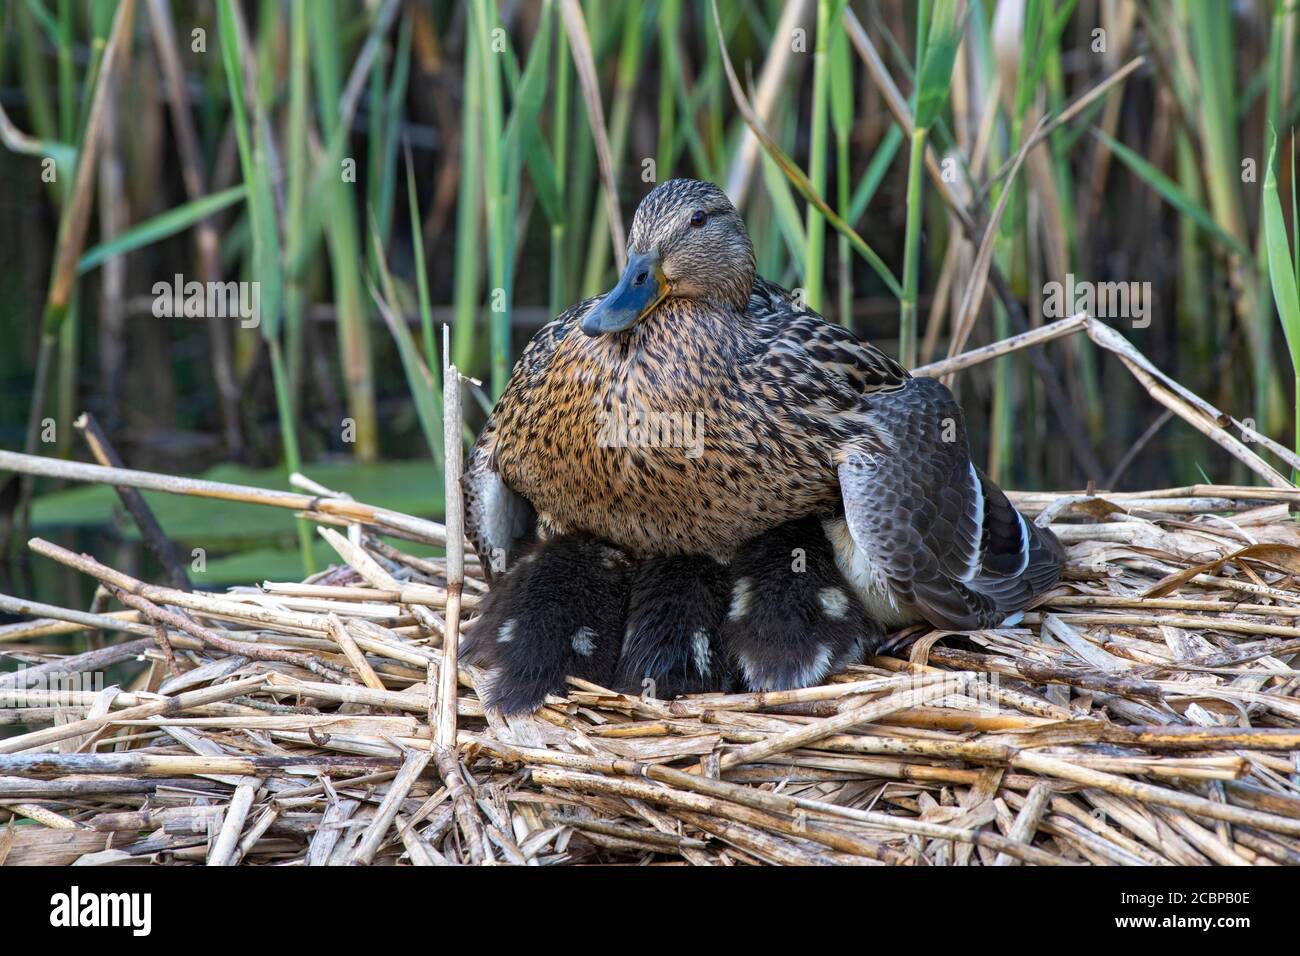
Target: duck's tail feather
x,y
938,534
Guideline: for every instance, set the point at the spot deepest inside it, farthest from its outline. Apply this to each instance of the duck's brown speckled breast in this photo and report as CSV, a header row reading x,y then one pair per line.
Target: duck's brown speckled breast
x,y
659,441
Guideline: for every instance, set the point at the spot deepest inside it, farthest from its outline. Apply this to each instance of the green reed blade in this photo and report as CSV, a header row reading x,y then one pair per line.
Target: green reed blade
x,y
420,380
828,12
469,207
794,173
1173,194
265,262
297,175
495,192
334,199
422,283
174,220
840,67
559,297
1281,274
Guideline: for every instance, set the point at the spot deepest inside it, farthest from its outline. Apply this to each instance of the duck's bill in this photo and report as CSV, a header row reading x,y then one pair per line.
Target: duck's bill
x,y
641,288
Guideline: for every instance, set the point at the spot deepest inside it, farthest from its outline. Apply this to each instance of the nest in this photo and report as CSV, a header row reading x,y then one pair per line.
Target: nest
x,y
1144,712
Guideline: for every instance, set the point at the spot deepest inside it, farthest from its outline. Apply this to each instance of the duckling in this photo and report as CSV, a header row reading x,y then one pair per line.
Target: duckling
x,y
671,636
557,610
797,416
793,619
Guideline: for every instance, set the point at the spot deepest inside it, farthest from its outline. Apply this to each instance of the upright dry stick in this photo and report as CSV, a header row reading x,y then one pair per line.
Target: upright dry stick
x,y
445,733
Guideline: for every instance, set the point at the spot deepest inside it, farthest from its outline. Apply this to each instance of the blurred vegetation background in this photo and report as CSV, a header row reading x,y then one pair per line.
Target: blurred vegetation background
x,y
384,167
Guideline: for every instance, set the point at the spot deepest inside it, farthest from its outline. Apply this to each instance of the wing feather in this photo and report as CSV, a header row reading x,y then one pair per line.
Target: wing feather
x,y
949,543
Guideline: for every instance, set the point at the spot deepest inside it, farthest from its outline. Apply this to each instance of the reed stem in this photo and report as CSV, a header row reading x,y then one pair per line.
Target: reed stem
x,y
907,324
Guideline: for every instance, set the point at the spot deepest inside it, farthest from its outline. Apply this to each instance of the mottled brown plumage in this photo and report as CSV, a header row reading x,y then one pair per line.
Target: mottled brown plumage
x,y
796,417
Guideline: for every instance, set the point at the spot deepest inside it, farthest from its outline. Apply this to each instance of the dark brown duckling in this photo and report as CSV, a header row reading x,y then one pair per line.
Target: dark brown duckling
x,y
781,615
792,619
558,610
671,635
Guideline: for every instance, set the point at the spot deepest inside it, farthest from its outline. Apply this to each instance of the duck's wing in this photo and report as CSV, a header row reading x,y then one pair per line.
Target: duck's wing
x,y
499,520
834,353
935,532
938,537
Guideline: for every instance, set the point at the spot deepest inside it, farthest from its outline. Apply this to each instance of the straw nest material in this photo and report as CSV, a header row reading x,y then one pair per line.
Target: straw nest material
x,y
1145,713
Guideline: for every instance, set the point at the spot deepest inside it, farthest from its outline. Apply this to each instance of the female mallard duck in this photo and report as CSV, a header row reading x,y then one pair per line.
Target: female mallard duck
x,y
745,411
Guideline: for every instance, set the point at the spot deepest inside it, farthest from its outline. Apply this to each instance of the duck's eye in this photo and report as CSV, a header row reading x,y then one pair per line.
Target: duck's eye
x,y
698,218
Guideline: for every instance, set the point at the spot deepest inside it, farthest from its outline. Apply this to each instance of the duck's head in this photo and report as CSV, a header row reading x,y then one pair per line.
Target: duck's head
x,y
687,242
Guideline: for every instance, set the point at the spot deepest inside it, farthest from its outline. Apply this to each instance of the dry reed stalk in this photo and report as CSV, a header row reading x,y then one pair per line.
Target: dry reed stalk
x,y
151,531
1191,408
181,702
932,687
764,800
242,648
447,667
224,848
54,620
76,664
1045,333
701,803
444,736
412,767
353,654
35,465
376,575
